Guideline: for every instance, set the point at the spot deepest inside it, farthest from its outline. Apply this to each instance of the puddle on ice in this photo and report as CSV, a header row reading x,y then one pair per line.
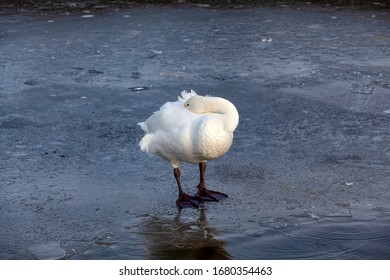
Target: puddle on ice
x,y
177,238
194,237
338,238
153,237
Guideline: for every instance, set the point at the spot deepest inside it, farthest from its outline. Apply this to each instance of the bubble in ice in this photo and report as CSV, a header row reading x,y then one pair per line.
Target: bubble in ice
x,y
87,16
266,40
139,88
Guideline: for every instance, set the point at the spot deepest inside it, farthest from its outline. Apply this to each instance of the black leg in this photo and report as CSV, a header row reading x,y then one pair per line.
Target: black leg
x,y
203,192
202,171
184,199
177,174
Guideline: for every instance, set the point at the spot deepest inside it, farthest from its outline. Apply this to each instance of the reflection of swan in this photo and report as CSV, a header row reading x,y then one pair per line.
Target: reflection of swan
x,y
193,129
173,239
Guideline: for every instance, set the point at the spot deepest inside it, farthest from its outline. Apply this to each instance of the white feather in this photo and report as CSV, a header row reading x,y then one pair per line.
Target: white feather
x,y
195,134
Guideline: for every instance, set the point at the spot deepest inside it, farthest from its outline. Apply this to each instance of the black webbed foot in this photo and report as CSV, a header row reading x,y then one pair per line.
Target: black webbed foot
x,y
210,195
188,201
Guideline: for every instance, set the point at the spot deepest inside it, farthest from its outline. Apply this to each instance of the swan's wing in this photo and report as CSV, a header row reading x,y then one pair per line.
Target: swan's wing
x,y
168,128
185,95
169,132
170,116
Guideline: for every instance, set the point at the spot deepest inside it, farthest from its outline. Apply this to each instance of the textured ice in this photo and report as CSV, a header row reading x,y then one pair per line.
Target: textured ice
x,y
47,251
314,117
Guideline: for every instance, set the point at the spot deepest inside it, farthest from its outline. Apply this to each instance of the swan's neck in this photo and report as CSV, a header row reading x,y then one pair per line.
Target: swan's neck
x,y
226,109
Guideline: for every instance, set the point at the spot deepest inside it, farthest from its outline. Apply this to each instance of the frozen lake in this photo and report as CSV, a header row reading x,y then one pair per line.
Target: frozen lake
x,y
308,172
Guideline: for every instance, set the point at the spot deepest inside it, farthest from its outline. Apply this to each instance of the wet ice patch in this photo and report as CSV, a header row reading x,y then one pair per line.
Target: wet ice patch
x,y
334,238
92,71
15,121
362,89
273,222
31,83
315,26
47,251
136,75
104,239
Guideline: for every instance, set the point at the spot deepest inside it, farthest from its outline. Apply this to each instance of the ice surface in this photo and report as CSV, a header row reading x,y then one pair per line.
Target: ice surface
x,y
307,175
47,251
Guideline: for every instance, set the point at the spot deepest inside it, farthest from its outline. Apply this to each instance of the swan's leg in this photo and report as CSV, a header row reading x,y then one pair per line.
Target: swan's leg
x,y
184,199
205,193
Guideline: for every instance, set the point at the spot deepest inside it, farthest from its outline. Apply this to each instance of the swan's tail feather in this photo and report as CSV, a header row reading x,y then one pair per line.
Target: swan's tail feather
x,y
185,95
146,142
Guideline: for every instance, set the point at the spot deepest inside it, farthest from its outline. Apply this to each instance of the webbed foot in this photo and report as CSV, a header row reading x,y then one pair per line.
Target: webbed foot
x,y
188,201
209,195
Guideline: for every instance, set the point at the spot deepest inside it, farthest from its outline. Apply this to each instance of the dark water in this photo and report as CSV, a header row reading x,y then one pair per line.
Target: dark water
x,y
323,240
177,237
43,7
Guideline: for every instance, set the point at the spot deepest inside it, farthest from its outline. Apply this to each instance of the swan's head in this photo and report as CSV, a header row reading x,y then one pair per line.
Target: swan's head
x,y
197,105
210,105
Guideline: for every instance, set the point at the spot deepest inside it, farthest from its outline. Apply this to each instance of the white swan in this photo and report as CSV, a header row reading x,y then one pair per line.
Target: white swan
x,y
193,129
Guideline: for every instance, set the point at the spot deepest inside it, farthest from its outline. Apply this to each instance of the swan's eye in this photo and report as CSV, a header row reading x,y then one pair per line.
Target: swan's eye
x,y
187,105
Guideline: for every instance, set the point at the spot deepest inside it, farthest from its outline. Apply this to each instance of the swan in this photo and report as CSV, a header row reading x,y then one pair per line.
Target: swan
x,y
193,129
